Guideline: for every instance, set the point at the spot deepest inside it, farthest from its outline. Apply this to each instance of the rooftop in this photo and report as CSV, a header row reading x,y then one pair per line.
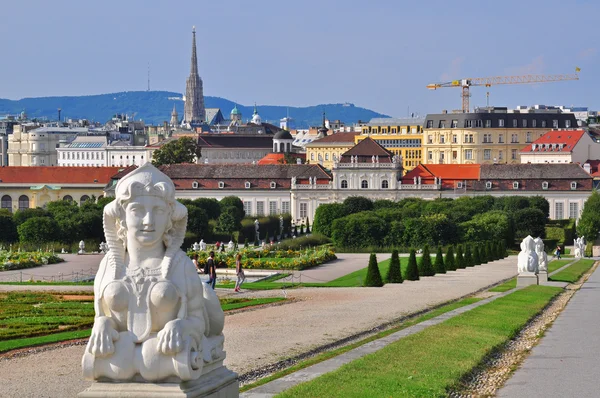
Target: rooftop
x,y
397,121
334,138
562,141
56,175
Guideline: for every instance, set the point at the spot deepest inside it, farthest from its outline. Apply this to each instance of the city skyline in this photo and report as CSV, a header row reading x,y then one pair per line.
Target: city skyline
x,y
379,56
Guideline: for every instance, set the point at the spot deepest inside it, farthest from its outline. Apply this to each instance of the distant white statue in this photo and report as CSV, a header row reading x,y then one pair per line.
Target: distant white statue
x,y
293,180
579,247
373,159
202,245
81,247
196,246
541,254
230,246
103,247
527,261
415,180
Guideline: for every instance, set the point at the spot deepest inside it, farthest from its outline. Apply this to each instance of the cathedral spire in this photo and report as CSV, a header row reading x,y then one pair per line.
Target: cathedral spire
x,y
194,112
194,63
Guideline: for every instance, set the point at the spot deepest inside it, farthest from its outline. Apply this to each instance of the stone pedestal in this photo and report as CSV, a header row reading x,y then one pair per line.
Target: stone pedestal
x,y
219,383
542,277
526,279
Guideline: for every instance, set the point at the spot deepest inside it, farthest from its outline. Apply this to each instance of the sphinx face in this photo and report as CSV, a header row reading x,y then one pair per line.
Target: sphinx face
x,y
146,218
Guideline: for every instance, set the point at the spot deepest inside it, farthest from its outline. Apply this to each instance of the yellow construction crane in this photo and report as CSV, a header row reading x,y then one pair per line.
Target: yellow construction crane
x,y
465,84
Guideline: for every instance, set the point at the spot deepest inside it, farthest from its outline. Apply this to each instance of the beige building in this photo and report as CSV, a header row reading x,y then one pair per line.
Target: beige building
x,y
325,151
490,135
31,145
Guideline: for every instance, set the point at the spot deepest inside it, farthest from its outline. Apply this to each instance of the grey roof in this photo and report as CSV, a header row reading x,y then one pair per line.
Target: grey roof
x,y
234,171
532,171
283,135
396,121
61,130
508,118
235,141
214,116
88,142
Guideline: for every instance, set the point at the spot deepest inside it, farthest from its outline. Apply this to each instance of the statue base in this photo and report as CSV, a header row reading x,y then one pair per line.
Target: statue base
x,y
542,277
527,279
219,383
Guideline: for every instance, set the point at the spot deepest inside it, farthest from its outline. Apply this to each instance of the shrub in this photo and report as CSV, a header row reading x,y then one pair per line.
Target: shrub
x,y
476,255
307,226
450,262
412,271
303,242
530,221
468,257
460,260
425,267
394,272
8,229
325,215
359,230
439,262
38,230
356,204
488,252
373,278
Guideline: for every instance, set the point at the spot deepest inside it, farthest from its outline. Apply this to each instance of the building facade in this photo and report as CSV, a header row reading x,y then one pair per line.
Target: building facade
x,y
31,145
490,135
83,152
328,150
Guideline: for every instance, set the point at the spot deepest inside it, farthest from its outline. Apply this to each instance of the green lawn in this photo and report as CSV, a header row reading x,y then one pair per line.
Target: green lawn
x,y
429,363
556,264
572,273
333,353
510,284
28,319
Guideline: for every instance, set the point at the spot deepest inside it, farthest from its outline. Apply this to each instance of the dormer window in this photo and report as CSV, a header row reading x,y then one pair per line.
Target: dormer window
x,y
195,184
221,185
488,185
273,185
515,185
573,185
459,185
545,185
247,185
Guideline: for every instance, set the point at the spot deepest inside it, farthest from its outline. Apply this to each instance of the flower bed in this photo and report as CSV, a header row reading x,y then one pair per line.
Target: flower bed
x,y
20,260
267,259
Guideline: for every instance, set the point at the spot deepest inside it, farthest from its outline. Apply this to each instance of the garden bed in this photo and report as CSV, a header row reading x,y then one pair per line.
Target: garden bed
x,y
10,260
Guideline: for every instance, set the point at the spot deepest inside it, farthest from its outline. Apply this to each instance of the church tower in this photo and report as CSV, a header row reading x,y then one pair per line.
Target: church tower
x,y
194,112
174,118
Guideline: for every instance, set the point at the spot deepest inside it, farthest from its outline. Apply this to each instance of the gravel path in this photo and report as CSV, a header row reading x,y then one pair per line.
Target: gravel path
x,y
254,339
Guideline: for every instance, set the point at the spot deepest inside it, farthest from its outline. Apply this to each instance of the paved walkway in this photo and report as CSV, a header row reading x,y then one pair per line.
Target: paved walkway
x,y
74,267
566,361
254,339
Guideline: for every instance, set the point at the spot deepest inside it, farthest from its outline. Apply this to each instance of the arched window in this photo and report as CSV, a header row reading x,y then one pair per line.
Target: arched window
x,y
6,203
84,199
364,184
68,197
23,202
326,156
385,184
344,183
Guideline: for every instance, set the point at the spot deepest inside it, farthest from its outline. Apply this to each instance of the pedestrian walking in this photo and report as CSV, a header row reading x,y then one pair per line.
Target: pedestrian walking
x,y
211,270
195,261
558,250
241,277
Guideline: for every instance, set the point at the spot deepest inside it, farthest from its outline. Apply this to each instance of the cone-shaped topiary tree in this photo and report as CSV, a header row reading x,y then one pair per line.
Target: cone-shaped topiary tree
x,y
503,248
476,255
469,257
460,259
412,271
425,266
450,262
497,250
307,226
373,278
488,251
438,266
394,273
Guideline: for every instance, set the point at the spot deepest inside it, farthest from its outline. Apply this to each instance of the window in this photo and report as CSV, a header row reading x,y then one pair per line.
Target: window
x,y
430,139
327,156
543,123
488,123
23,202
429,155
545,185
6,203
344,184
513,154
248,208
84,199
500,155
384,184
515,123
260,208
195,184
487,154
273,185
534,123
573,210
459,185
528,138
221,185
487,138
500,122
514,139
500,138
515,185
312,156
488,185
554,124
68,197
272,208
285,207
567,123
247,185
559,210
442,124
524,123
468,123
303,210
442,139
573,185
454,155
429,124
454,138
364,184
454,123
468,154
478,123
441,157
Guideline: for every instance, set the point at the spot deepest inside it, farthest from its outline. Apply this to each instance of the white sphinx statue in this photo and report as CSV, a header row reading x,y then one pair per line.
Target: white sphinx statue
x,y
541,255
579,247
155,320
527,261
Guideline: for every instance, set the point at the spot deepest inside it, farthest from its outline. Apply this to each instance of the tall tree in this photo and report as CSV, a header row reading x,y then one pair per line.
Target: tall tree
x,y
182,150
460,260
450,262
412,271
469,256
394,272
439,262
425,266
589,222
373,278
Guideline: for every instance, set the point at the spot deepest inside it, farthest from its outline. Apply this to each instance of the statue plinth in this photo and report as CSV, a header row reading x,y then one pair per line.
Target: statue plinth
x,y
542,277
218,383
527,279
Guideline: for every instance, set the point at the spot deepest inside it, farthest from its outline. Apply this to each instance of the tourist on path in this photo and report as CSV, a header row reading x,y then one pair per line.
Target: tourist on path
x,y
240,272
558,252
195,261
211,270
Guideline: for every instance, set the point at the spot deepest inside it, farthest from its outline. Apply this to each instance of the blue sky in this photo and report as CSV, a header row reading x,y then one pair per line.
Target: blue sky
x,y
378,54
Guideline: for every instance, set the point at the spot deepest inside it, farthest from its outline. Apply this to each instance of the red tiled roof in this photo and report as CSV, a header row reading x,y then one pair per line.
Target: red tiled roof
x,y
57,175
447,172
279,158
568,138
